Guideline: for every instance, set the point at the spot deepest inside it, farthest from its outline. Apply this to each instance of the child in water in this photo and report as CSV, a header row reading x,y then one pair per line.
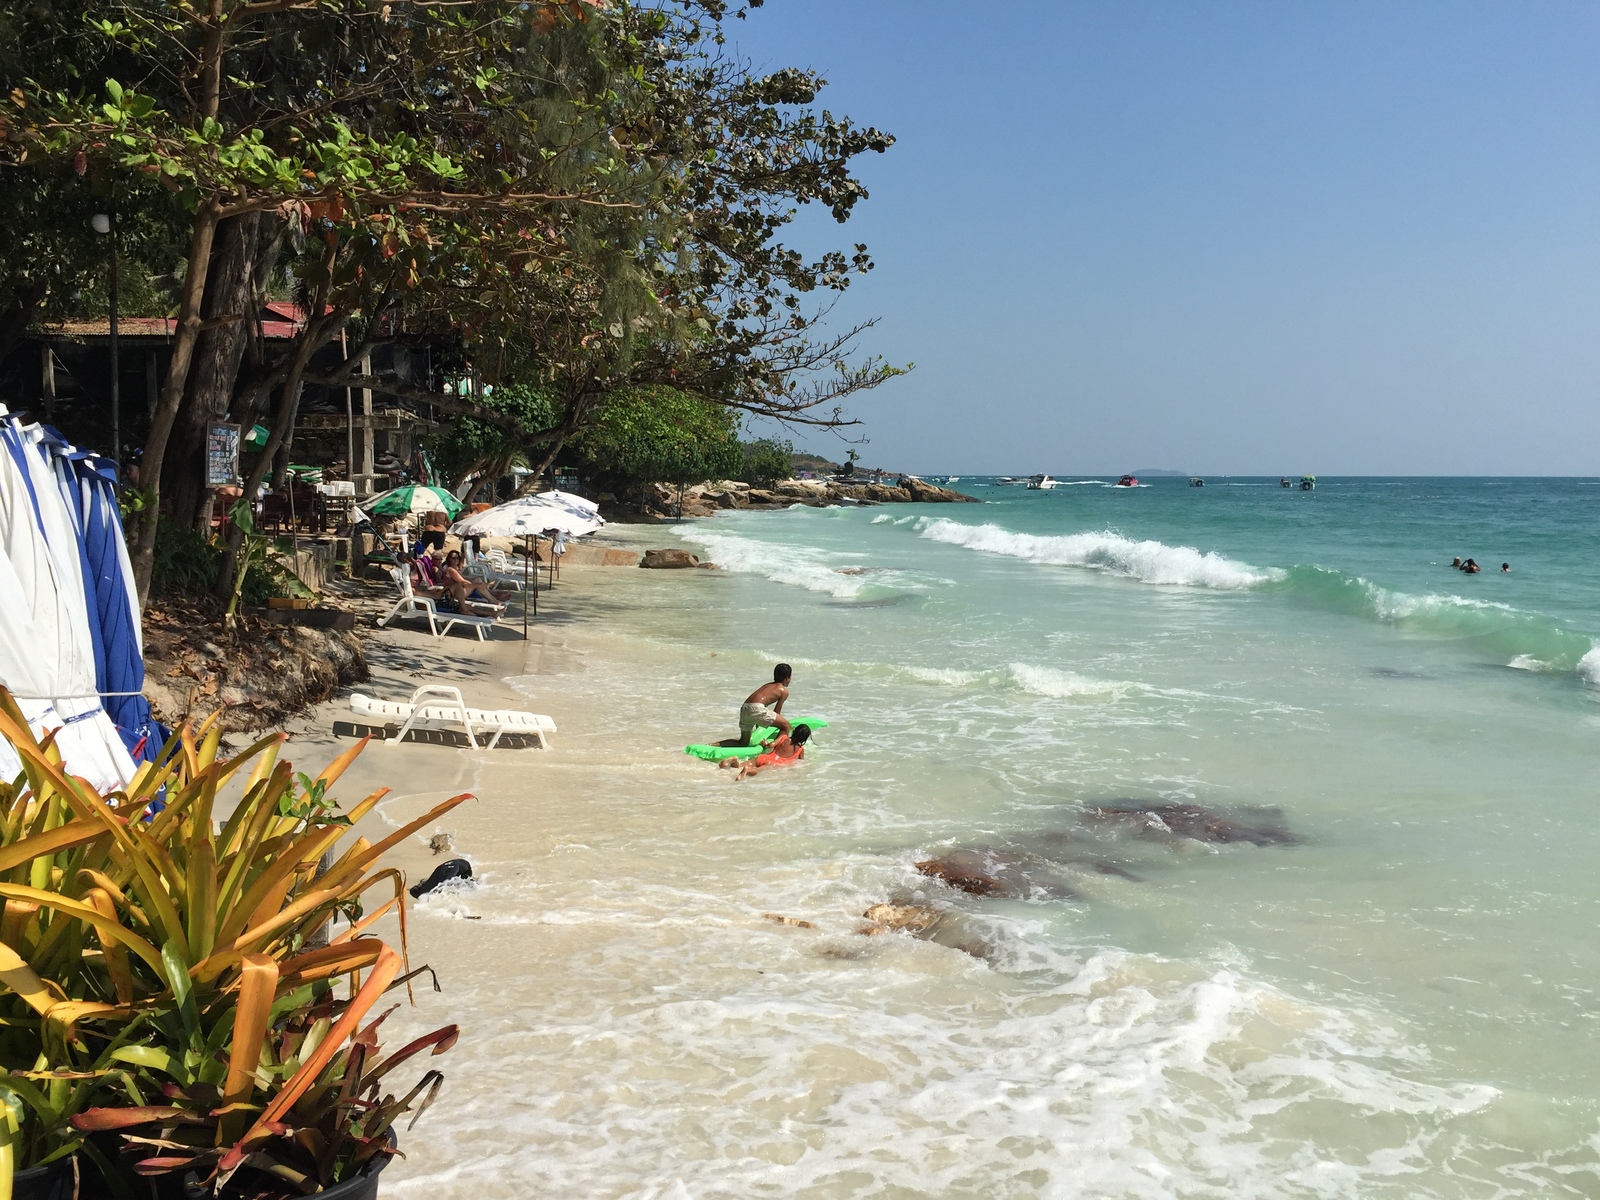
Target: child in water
x,y
784,750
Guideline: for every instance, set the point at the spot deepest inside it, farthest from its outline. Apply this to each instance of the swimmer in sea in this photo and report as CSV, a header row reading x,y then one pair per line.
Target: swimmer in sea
x,y
1505,568
1471,567
1457,564
782,751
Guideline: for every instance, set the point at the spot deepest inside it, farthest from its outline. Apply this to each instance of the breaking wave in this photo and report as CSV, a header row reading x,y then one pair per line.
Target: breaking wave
x,y
1521,639
1147,561
797,566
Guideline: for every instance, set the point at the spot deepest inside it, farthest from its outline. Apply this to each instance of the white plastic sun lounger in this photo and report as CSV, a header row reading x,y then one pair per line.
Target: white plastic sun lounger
x,y
410,605
497,570
451,709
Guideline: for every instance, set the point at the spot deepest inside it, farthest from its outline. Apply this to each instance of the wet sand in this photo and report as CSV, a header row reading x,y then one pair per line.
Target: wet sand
x,y
619,900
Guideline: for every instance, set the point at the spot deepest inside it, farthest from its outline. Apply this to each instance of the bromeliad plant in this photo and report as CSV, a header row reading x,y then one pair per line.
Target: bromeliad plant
x,y
170,974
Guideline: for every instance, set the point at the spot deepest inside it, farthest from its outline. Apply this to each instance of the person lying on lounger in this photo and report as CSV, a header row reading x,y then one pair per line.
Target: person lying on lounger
x,y
784,750
464,590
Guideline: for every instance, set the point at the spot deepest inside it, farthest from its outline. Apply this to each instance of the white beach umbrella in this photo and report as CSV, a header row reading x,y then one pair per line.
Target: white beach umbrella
x,y
533,516
530,517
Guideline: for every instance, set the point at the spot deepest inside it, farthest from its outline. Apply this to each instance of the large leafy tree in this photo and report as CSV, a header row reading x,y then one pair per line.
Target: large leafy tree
x,y
659,435
585,199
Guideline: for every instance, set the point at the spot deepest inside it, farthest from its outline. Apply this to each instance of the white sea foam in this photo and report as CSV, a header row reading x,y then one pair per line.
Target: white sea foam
x,y
1527,662
1398,606
792,565
1147,561
1589,667
1062,685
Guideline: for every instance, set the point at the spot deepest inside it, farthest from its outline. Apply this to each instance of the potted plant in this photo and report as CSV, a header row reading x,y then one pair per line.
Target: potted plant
x,y
169,983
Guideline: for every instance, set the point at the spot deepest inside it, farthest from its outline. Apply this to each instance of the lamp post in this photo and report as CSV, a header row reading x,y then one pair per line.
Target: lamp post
x,y
106,222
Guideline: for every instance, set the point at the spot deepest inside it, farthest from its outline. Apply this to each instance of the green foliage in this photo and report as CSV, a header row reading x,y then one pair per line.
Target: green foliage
x,y
660,435
186,564
768,460
472,444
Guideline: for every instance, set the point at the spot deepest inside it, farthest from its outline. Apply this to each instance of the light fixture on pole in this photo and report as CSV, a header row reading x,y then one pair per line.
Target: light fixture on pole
x,y
106,223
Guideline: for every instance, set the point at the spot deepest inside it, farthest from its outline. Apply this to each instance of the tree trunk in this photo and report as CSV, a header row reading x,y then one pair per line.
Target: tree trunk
x,y
219,350
183,345
319,331
17,315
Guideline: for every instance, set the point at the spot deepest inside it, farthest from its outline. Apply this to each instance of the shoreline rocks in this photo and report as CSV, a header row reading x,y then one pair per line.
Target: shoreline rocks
x,y
705,499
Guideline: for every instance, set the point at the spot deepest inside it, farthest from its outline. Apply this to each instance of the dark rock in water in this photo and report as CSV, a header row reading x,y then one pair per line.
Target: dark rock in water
x,y
1069,848
668,559
445,872
887,917
990,872
942,926
1258,826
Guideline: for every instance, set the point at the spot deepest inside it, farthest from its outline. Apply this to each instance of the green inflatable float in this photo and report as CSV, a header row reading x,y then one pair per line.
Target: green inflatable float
x,y
757,736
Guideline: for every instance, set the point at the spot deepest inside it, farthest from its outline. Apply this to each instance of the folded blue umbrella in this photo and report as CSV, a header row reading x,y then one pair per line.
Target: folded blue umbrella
x,y
119,658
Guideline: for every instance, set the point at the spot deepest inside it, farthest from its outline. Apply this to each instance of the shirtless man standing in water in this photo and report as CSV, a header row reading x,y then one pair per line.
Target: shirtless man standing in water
x,y
764,706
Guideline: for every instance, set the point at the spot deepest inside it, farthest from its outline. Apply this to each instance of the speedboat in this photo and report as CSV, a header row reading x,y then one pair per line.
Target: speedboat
x,y
1196,481
1308,483
1041,483
1284,482
1128,481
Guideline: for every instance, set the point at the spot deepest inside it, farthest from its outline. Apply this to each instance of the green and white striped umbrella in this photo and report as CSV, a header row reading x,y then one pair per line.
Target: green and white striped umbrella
x,y
415,498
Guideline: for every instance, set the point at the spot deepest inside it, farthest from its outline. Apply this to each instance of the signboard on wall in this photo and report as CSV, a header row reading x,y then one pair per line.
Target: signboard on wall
x,y
222,456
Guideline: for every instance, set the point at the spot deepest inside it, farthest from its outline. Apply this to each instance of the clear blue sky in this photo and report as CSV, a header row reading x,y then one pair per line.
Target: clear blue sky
x,y
1245,238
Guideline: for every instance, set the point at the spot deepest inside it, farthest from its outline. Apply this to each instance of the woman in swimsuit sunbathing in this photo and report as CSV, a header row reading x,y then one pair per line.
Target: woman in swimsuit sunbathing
x,y
782,751
464,590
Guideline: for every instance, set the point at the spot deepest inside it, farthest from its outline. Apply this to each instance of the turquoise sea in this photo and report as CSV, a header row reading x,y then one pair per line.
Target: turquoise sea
x,y
664,978
1405,1001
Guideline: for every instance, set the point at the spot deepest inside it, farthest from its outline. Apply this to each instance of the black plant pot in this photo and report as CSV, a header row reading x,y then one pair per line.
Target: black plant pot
x,y
363,1187
53,1181
174,1187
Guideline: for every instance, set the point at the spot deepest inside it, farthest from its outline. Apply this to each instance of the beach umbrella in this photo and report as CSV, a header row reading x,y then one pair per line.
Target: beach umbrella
x,y
532,516
529,518
47,647
113,596
415,498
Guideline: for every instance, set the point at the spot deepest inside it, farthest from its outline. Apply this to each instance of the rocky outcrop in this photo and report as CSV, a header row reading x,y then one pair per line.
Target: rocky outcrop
x,y
666,560
707,499
942,926
994,872
1178,822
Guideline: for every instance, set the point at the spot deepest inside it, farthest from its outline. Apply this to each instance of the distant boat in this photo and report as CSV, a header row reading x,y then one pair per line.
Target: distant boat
x,y
1284,482
1308,483
1196,481
1008,480
1041,483
1128,481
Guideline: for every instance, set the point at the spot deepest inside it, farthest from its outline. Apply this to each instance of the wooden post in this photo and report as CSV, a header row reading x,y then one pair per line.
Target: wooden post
x,y
525,552
47,382
366,428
